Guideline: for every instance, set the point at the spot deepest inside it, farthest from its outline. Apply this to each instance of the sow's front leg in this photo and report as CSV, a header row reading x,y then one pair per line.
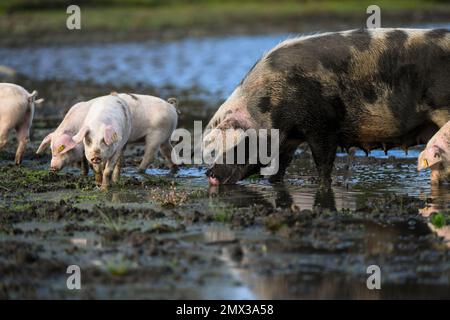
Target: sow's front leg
x,y
323,148
286,157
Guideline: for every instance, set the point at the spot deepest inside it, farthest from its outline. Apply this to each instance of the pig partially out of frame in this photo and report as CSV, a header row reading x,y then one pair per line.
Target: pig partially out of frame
x,y
16,112
378,88
436,156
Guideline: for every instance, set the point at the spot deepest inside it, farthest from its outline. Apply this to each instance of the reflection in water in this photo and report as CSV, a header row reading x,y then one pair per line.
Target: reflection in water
x,y
300,270
310,274
439,201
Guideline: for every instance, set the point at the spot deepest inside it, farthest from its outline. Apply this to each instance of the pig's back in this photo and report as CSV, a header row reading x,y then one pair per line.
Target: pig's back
x,y
13,102
378,86
108,109
149,113
74,118
11,94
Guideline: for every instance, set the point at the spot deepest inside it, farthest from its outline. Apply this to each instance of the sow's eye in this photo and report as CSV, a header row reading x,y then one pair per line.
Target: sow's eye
x,y
88,140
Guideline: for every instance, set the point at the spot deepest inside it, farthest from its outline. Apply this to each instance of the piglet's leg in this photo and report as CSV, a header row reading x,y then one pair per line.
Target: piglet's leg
x,y
23,137
151,147
166,151
3,136
435,176
98,173
117,168
84,167
109,168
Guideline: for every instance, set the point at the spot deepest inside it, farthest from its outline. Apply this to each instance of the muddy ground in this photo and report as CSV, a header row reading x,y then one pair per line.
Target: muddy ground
x,y
163,236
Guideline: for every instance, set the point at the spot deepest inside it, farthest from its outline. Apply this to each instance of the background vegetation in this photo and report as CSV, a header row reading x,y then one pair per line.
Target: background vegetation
x,y
120,19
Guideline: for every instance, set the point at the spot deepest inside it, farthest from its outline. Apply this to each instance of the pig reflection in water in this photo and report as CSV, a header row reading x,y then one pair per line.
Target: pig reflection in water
x,y
281,196
440,202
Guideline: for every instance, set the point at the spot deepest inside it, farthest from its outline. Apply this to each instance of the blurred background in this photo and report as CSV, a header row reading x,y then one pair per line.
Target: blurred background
x,y
196,50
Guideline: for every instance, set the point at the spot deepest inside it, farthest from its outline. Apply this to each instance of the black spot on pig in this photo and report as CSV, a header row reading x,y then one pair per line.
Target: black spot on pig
x,y
302,101
331,51
264,104
360,39
368,92
437,34
412,82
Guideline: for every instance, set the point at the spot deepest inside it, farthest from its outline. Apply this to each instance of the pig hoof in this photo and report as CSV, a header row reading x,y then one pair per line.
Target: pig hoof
x,y
276,179
141,170
104,188
174,169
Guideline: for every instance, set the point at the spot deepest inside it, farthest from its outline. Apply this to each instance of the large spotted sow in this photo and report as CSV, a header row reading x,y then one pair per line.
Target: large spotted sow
x,y
380,88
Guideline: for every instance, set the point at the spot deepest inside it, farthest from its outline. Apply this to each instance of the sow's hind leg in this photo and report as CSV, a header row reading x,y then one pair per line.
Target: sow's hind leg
x,y
323,148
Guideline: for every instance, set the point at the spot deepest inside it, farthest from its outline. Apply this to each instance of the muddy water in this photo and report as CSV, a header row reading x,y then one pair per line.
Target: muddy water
x,y
252,240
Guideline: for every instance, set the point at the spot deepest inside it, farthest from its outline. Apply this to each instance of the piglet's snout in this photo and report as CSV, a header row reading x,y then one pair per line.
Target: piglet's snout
x,y
96,159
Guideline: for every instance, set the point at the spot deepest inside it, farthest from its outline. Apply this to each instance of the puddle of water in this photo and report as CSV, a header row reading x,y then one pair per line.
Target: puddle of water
x,y
311,274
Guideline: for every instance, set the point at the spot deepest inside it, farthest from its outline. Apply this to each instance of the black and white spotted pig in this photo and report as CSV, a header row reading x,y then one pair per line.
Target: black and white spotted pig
x,y
379,88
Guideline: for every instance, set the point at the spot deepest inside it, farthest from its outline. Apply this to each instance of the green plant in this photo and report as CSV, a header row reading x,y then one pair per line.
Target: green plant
x,y
439,220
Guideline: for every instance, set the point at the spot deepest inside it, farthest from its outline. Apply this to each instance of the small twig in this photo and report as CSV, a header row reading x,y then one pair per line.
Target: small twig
x,y
5,188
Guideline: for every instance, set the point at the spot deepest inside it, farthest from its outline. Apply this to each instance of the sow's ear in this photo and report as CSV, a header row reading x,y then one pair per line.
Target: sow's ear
x,y
78,138
65,144
430,157
110,135
45,143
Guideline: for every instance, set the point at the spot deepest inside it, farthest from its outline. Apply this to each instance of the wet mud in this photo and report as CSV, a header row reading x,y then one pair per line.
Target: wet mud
x,y
159,235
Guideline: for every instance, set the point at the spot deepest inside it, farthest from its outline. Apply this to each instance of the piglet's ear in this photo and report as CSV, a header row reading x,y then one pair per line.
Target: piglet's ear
x,y
78,138
110,135
63,148
45,143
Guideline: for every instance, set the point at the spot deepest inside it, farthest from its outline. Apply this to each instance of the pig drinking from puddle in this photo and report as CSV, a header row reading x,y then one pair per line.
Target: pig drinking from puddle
x,y
153,119
436,156
375,88
16,111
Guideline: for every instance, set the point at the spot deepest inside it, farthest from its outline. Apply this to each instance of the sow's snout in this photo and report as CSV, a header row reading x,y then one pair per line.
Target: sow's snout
x,y
229,174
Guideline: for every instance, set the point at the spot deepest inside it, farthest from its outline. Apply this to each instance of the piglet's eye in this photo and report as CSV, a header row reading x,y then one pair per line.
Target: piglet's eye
x,y
88,140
